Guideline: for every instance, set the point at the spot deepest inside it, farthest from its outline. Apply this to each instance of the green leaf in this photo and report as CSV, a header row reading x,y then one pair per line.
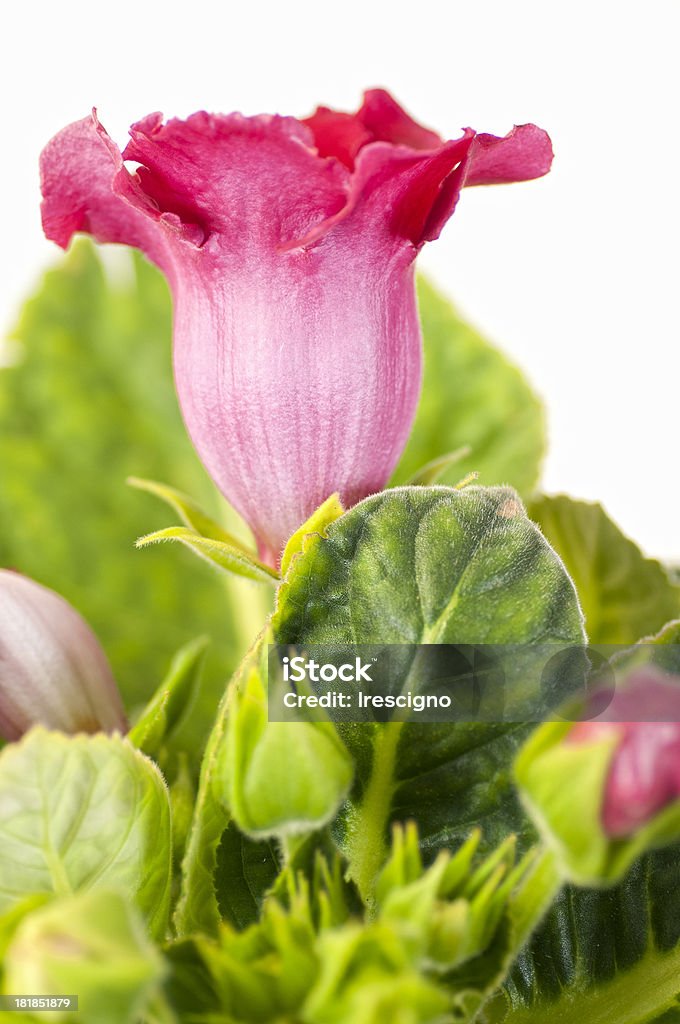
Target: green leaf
x,y
189,511
219,554
245,870
83,812
169,704
623,594
92,945
472,396
91,402
603,957
429,565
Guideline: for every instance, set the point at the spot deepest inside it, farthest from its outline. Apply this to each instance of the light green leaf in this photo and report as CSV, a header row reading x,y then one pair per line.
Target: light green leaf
x,y
171,701
92,945
429,565
623,594
90,402
80,813
189,511
316,525
218,553
472,396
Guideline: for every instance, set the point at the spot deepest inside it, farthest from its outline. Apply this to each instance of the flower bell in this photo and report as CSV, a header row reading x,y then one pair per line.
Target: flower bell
x,y
289,248
53,671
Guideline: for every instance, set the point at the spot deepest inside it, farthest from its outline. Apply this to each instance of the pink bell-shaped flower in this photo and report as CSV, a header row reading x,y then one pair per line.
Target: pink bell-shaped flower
x,y
289,248
53,671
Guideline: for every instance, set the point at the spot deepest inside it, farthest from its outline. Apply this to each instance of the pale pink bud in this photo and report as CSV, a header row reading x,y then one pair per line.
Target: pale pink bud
x,y
53,671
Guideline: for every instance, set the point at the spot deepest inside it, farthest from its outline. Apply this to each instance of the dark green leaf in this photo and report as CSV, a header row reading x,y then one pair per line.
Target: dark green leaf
x,y
609,957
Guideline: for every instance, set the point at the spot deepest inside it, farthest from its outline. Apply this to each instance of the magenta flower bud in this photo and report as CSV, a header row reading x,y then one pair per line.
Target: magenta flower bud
x,y
53,671
289,248
644,775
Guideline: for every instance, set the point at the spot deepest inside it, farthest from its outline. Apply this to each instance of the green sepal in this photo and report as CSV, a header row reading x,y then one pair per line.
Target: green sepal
x,y
433,470
189,511
224,556
315,527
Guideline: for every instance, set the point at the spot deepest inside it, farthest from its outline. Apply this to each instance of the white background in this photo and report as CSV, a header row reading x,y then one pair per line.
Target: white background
x,y
574,276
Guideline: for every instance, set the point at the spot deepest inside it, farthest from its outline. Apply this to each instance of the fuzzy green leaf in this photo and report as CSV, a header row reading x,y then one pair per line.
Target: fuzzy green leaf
x,y
429,565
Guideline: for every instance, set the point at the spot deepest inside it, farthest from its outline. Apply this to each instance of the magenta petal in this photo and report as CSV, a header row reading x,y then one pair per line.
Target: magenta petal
x,y
252,181
338,134
644,776
87,188
311,381
523,154
388,122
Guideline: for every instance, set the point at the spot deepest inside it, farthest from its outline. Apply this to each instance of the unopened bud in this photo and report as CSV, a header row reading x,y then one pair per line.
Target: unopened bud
x,y
53,671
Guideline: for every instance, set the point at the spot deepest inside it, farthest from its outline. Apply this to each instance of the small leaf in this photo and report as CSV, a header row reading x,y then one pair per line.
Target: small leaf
x,y
623,594
472,396
217,552
189,511
172,699
83,812
432,471
92,945
317,524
